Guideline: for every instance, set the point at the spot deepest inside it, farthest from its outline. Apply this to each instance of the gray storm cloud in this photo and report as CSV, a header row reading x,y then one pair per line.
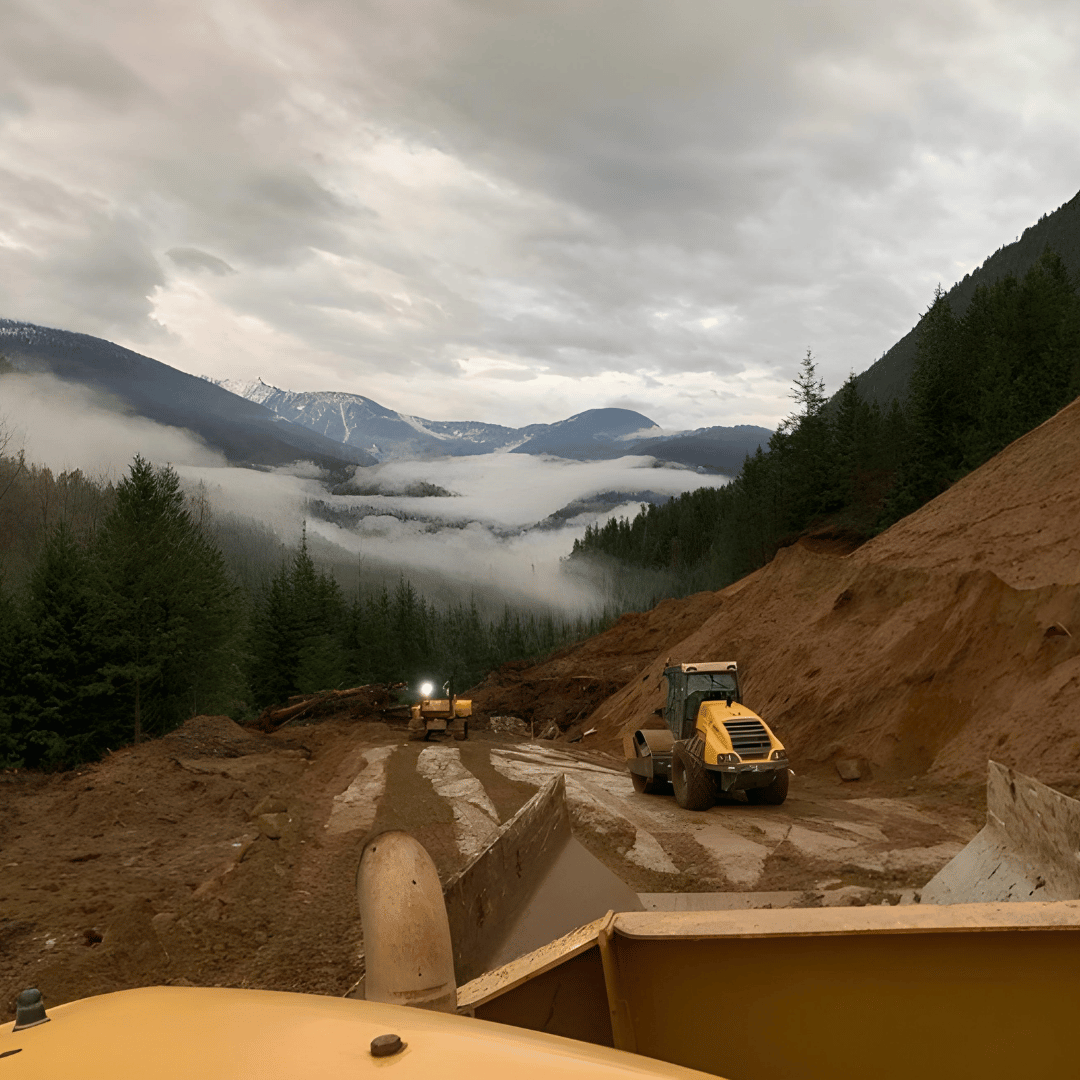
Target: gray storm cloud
x,y
515,211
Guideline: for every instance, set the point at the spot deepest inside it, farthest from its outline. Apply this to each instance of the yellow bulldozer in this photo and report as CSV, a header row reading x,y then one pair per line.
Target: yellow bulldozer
x,y
448,715
712,744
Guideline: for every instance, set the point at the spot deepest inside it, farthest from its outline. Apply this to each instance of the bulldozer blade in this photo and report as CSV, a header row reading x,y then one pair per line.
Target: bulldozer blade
x,y
1026,850
532,883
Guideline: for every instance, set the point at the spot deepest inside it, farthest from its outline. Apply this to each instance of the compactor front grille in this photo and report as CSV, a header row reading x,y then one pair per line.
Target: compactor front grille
x,y
748,738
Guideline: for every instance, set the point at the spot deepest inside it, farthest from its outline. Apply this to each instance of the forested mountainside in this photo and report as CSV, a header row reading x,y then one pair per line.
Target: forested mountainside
x,y
888,378
983,377
132,620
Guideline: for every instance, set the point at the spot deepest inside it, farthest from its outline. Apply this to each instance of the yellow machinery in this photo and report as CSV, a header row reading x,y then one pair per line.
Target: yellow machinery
x,y
933,991
181,1033
889,993
712,744
448,715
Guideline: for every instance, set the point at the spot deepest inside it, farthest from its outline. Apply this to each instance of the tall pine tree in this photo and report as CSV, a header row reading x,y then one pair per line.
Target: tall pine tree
x,y
166,612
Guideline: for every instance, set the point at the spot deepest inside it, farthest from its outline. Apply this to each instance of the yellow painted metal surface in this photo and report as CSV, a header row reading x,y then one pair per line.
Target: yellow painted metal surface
x,y
441,707
169,1033
938,993
710,723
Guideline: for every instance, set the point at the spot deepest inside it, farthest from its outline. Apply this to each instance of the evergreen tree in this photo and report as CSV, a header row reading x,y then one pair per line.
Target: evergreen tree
x,y
166,612
59,656
11,746
849,440
939,407
301,632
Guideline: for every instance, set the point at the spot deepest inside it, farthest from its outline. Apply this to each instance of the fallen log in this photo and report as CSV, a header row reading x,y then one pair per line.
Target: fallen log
x,y
272,718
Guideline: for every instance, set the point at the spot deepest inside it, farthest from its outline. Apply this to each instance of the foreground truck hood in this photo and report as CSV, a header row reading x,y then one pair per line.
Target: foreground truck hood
x,y
170,1033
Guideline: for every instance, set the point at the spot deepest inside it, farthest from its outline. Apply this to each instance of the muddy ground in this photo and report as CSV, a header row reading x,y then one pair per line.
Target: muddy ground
x,y
219,856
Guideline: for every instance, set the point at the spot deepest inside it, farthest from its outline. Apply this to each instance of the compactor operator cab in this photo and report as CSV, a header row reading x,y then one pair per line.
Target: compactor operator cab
x,y
688,687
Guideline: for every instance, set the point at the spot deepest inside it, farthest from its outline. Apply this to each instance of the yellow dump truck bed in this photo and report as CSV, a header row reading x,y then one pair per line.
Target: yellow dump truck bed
x,y
934,992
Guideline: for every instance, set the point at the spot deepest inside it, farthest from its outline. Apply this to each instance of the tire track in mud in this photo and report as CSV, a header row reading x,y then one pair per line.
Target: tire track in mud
x,y
476,821
354,809
593,793
453,798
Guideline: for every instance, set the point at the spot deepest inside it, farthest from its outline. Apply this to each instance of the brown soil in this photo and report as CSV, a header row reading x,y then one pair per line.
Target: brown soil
x,y
567,688
204,857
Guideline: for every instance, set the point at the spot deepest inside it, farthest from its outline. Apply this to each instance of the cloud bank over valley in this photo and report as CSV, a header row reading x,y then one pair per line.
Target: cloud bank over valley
x,y
498,525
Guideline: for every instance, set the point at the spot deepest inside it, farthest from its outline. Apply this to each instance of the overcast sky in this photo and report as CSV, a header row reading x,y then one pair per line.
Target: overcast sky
x,y
512,211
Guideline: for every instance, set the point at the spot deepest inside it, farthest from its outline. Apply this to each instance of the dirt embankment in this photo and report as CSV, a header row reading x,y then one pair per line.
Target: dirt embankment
x,y
944,641
568,687
200,858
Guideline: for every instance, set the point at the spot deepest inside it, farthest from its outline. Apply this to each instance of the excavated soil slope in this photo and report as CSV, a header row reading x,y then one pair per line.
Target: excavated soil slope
x,y
945,641
1018,516
569,686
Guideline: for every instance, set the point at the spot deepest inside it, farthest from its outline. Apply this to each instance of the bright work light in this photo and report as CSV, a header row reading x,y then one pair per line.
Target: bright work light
x,y
426,689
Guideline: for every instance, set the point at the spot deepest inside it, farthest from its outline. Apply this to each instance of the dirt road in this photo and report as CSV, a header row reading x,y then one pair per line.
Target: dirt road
x,y
220,856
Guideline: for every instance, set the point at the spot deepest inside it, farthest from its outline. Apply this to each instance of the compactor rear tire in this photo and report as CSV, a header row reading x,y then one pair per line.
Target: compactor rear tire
x,y
694,789
773,794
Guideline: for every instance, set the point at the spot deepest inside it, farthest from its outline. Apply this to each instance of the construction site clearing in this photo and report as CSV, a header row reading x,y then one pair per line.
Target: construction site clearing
x,y
894,674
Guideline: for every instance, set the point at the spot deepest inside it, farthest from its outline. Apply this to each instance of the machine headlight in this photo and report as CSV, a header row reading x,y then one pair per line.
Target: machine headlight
x,y
778,755
426,689
732,759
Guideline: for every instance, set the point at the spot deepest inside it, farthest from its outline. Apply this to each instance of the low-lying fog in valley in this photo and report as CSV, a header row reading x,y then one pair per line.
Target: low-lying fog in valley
x,y
494,528
495,525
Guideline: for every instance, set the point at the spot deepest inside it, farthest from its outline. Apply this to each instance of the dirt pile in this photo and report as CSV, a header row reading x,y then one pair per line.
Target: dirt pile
x,y
197,858
1018,516
945,641
567,688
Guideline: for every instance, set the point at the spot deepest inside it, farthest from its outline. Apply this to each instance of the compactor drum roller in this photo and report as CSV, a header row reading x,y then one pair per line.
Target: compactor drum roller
x,y
712,745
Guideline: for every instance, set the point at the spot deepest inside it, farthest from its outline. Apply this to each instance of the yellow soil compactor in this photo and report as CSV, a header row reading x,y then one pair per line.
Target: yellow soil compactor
x,y
712,745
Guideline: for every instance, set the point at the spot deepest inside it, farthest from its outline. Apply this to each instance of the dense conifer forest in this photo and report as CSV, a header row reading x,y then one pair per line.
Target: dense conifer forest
x,y
127,610
982,379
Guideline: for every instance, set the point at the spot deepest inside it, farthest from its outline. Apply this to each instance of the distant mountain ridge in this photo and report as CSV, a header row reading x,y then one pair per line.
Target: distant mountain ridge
x,y
253,423
246,432
362,422
887,378
595,434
